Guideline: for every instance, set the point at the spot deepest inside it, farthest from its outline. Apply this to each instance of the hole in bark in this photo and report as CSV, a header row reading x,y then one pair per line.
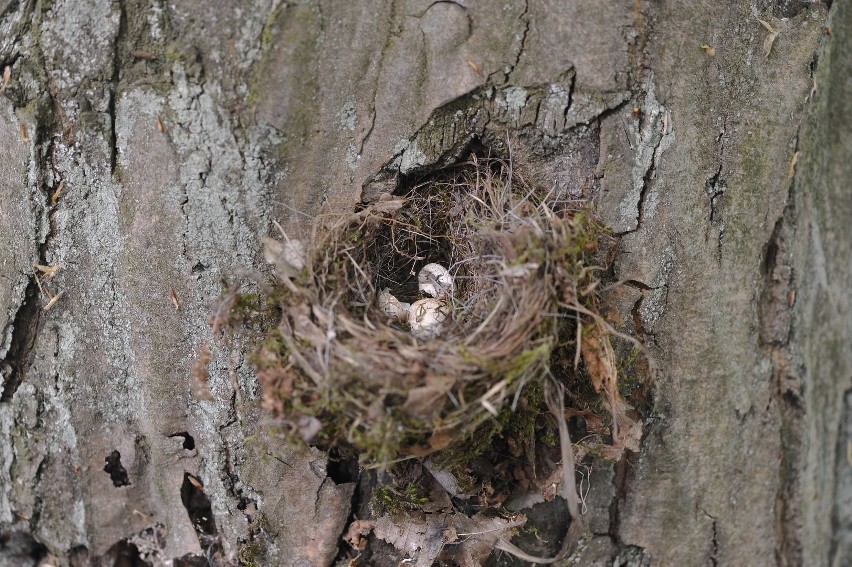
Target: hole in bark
x,y
771,257
123,554
24,328
342,471
188,440
19,548
79,556
190,560
117,472
791,8
197,506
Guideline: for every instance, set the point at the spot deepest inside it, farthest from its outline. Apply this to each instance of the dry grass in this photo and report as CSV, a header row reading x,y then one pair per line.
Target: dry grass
x,y
341,374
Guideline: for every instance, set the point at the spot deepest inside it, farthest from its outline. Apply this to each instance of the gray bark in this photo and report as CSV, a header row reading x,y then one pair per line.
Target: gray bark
x,y
179,131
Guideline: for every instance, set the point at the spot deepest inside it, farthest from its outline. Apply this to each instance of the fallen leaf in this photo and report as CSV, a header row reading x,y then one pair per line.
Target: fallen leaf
x,y
477,537
600,362
452,536
417,535
629,437
356,535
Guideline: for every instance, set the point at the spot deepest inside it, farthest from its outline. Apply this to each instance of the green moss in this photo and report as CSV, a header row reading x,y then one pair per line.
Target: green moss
x,y
629,376
249,554
252,553
550,437
395,500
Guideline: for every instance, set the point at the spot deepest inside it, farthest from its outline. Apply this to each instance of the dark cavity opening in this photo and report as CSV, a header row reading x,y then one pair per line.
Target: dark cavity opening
x,y
197,506
20,548
421,232
343,471
117,472
124,554
188,440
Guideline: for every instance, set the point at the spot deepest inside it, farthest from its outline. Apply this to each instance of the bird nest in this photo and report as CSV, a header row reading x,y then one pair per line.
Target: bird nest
x,y
349,366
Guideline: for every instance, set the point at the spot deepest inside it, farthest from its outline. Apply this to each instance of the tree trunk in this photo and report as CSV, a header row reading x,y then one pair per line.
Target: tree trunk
x,y
147,146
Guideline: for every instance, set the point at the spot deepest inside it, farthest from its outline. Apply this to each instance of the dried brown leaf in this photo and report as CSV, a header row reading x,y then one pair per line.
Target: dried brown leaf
x,y
424,537
419,536
477,537
357,534
629,437
600,360
629,427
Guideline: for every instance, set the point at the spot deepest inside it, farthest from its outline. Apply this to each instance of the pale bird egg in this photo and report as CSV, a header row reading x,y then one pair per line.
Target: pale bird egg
x,y
393,307
426,318
435,280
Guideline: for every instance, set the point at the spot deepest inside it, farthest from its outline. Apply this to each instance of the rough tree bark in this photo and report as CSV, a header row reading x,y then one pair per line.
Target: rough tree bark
x,y
147,146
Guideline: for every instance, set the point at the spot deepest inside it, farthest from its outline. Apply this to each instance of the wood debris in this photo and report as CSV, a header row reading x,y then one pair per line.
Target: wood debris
x,y
770,39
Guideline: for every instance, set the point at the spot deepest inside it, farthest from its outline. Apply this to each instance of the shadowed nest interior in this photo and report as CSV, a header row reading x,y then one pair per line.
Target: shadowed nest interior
x,y
341,373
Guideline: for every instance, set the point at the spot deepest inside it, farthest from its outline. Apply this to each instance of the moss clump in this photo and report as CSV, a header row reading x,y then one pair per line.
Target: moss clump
x,y
395,500
252,552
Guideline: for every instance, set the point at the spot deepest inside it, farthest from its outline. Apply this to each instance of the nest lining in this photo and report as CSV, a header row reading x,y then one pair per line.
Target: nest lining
x,y
346,375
